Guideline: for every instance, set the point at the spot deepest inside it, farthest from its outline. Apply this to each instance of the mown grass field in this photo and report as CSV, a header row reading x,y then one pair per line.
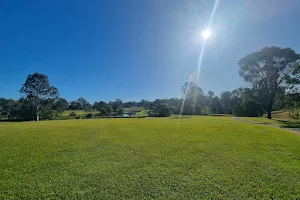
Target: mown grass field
x,y
208,158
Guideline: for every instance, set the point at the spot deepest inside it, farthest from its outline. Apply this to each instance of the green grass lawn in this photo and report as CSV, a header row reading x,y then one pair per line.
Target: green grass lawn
x,y
262,120
207,158
78,112
143,113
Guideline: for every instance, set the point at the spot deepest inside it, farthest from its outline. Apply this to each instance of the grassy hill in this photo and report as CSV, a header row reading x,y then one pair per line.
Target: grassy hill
x,y
134,109
78,112
286,114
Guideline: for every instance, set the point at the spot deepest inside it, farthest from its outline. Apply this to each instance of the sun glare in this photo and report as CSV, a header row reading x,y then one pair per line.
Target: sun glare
x,y
206,34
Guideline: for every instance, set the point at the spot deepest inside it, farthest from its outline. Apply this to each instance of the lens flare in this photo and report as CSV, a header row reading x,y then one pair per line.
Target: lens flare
x,y
206,34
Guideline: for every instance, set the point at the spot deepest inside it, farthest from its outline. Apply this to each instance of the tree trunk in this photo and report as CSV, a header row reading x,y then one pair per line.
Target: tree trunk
x,y
37,117
269,114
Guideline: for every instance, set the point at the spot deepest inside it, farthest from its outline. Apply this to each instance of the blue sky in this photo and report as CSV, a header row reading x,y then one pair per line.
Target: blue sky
x,y
133,50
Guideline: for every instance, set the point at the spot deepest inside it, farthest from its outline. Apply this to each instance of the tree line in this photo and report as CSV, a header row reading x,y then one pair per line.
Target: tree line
x,y
273,74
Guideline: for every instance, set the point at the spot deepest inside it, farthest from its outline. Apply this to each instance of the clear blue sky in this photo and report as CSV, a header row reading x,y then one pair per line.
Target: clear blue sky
x,y
133,50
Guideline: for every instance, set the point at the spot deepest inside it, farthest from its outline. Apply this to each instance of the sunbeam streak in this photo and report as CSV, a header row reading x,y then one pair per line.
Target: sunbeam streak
x,y
178,123
206,34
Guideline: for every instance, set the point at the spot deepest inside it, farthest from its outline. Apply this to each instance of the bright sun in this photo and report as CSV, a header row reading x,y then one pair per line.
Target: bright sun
x,y
206,34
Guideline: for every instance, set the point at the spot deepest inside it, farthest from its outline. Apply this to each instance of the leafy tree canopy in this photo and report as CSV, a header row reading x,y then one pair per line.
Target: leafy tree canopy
x,y
270,71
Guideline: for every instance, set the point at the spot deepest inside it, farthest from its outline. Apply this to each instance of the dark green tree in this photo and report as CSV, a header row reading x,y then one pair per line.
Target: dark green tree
x,y
116,104
120,111
174,105
100,106
211,94
25,110
217,106
226,101
7,108
60,105
162,108
4,107
84,104
39,93
108,109
270,71
74,105
248,108
194,98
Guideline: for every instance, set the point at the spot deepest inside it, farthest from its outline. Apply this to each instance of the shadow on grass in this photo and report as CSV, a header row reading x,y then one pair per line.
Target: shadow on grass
x,y
182,117
291,124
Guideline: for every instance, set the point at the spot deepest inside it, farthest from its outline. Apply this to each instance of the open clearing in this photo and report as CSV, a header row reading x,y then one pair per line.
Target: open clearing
x,y
209,157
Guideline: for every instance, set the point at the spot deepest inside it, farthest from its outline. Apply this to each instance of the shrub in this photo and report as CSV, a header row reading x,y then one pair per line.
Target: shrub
x,y
48,114
72,114
90,115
